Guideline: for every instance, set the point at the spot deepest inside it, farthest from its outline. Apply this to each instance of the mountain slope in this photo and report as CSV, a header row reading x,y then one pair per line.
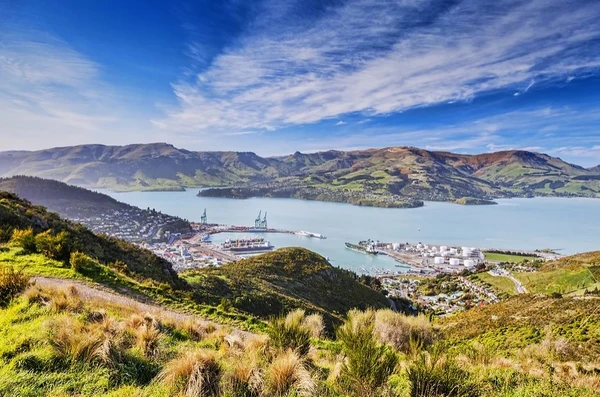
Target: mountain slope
x,y
385,177
97,211
287,278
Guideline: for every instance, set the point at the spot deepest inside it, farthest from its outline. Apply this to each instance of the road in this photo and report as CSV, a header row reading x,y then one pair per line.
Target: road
x,y
101,295
519,287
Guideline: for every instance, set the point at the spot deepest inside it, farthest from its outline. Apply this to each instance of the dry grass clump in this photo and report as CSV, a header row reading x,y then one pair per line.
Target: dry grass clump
x,y
147,332
74,341
66,299
243,378
401,331
12,283
314,323
288,374
194,373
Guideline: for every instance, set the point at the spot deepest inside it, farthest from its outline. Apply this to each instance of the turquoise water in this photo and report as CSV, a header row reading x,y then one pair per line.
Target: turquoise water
x,y
571,225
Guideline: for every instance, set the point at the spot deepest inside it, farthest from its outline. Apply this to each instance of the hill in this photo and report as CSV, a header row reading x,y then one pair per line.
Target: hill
x,y
392,177
19,214
99,212
282,280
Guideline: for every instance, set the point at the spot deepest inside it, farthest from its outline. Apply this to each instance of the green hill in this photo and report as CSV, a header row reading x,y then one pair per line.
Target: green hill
x,y
283,280
16,213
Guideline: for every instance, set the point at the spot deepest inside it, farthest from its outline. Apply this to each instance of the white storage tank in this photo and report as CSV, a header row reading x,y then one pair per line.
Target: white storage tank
x,y
469,263
396,246
453,251
438,260
454,261
443,248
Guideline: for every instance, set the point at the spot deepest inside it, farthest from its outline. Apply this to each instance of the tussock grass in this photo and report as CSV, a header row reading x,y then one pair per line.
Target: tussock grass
x,y
288,375
195,373
12,283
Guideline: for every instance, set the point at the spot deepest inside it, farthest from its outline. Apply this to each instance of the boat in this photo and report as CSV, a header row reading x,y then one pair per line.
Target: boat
x,y
304,233
205,238
247,245
367,248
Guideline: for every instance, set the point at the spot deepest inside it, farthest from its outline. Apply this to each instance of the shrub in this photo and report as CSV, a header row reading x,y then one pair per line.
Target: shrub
x,y
81,263
369,364
399,330
54,247
288,375
195,373
290,332
435,375
12,283
25,239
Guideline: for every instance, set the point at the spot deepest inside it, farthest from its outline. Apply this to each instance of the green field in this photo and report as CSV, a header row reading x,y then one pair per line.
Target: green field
x,y
493,257
500,283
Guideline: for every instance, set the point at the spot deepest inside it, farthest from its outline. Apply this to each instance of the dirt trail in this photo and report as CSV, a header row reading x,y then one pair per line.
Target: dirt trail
x,y
100,294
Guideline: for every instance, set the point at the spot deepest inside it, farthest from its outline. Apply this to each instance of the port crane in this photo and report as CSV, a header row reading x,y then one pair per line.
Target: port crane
x,y
257,220
204,219
261,222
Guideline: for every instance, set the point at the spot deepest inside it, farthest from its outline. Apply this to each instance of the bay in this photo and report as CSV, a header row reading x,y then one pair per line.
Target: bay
x,y
569,225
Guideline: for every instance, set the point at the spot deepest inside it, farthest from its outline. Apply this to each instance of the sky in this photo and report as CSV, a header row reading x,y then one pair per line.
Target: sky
x,y
279,76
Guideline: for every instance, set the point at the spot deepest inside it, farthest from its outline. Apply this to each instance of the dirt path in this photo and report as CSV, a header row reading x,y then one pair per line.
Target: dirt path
x,y
101,294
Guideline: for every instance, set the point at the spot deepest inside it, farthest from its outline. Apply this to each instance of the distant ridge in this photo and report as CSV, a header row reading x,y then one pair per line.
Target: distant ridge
x,y
364,177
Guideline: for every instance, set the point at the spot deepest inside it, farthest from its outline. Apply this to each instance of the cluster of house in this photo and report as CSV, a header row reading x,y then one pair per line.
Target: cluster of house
x,y
180,256
468,293
133,224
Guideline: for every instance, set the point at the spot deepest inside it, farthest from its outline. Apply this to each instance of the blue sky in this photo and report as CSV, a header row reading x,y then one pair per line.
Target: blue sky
x,y
276,76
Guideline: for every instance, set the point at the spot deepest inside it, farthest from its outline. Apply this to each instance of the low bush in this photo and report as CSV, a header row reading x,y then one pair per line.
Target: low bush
x,y
24,238
368,364
437,375
400,330
291,332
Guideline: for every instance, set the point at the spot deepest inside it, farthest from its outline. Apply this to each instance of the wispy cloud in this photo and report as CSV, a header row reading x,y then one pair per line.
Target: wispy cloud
x,y
377,58
53,95
341,122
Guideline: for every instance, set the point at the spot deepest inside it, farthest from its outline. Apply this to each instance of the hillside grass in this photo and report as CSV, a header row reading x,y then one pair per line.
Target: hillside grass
x,y
52,343
499,283
563,281
495,257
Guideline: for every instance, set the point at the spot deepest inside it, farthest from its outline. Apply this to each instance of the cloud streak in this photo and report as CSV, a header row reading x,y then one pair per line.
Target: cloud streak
x,y
376,58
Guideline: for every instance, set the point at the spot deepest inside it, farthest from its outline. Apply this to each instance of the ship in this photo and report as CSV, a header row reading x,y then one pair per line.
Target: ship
x,y
205,238
367,249
247,245
303,233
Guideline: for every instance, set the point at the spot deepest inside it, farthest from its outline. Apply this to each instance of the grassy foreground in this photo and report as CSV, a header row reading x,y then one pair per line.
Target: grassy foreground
x,y
52,343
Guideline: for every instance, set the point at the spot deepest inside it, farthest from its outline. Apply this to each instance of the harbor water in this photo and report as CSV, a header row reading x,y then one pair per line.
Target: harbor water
x,y
569,225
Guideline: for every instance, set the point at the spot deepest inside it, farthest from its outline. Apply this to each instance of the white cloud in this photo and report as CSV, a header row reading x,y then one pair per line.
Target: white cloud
x,y
341,122
53,95
418,53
